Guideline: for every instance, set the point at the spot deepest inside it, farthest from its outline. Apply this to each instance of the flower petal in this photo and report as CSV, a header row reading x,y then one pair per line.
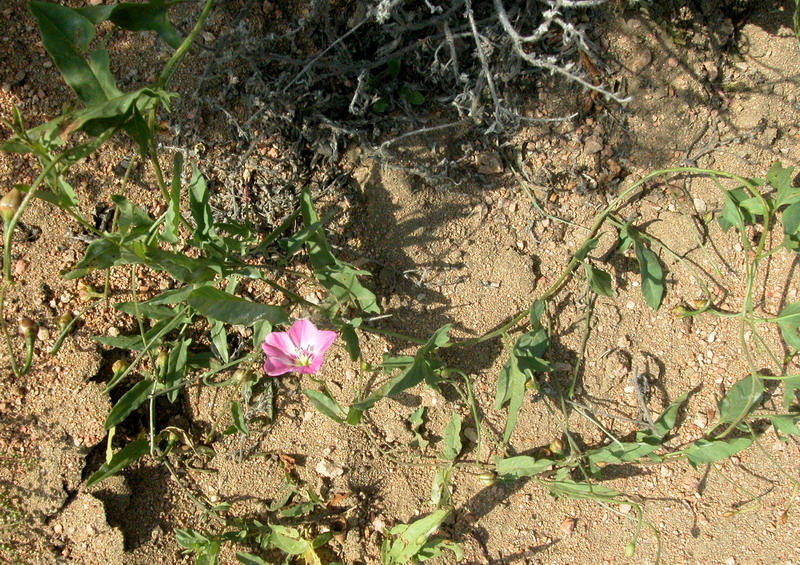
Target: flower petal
x,y
315,364
324,340
274,367
280,341
303,333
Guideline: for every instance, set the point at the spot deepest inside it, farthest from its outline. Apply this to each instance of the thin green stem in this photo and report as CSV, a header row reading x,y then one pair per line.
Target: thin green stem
x,y
145,349
4,328
68,328
180,52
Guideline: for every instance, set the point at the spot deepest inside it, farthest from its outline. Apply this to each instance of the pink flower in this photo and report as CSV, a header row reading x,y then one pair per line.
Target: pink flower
x,y
301,349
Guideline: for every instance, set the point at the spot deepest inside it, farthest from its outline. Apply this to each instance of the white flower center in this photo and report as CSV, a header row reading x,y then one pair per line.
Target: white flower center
x,y
303,357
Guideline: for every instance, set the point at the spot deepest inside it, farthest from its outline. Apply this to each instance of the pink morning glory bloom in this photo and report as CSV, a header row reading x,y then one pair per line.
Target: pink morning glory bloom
x,y
299,350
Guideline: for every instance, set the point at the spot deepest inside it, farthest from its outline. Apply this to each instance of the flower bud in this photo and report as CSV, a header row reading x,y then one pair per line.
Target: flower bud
x,y
557,447
64,321
488,478
10,203
119,366
630,549
163,358
28,328
86,292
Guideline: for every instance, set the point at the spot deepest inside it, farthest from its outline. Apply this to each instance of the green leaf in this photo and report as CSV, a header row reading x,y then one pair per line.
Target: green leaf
x,y
413,537
338,277
790,218
440,490
66,35
580,491
536,313
705,451
219,338
129,402
652,274
421,369
152,337
176,366
590,244
513,468
393,67
381,105
172,296
599,280
350,338
288,540
741,399
415,422
121,459
178,265
250,559
219,305
667,420
101,254
239,420
413,97
625,452
119,111
786,424
131,220
732,214
145,310
326,405
173,214
781,178
524,361
452,439
201,211
189,538
260,331
754,205
435,547
151,16
789,321
791,389
208,554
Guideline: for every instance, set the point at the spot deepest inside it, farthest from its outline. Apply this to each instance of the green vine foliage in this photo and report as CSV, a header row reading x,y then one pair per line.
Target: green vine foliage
x,y
207,294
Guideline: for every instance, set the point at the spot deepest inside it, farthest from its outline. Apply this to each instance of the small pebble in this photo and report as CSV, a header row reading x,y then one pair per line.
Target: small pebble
x,y
20,267
630,305
568,526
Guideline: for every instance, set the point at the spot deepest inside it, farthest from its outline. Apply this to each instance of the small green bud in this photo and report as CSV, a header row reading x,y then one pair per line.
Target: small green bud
x,y
630,549
488,478
10,203
163,358
120,366
557,447
64,321
28,328
366,366
680,311
86,292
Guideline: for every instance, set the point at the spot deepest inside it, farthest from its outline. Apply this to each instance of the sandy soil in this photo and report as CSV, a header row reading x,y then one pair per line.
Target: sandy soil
x,y
720,95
